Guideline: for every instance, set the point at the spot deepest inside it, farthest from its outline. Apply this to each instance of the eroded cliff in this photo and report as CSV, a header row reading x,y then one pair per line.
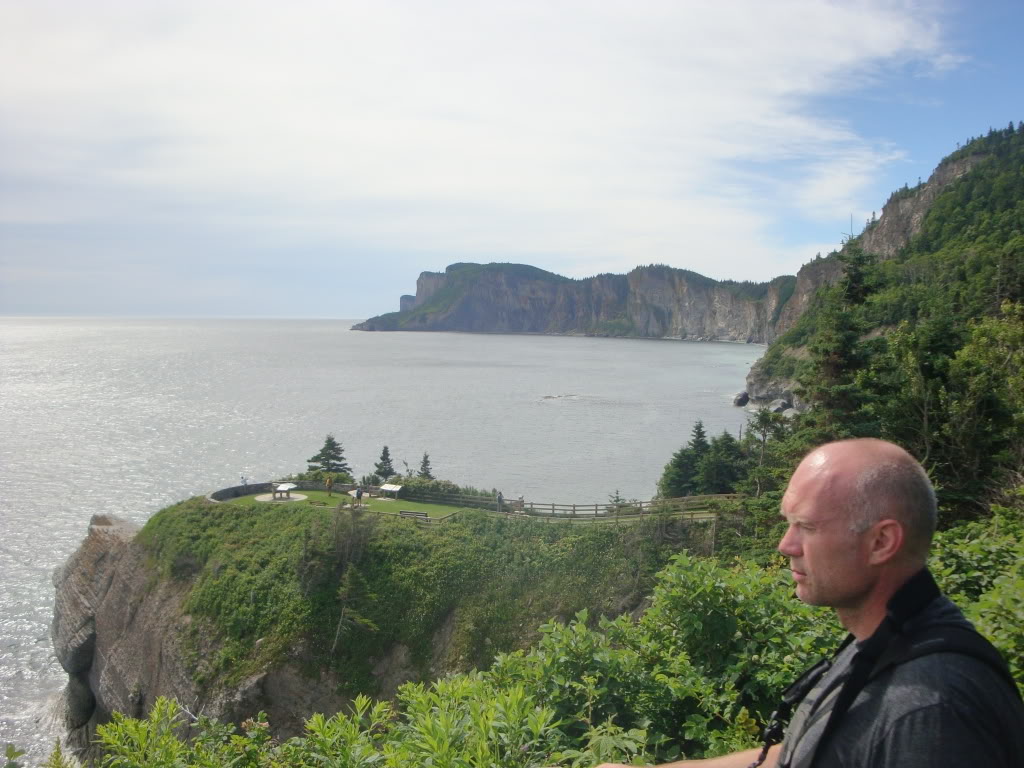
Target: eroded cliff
x,y
120,634
233,608
649,302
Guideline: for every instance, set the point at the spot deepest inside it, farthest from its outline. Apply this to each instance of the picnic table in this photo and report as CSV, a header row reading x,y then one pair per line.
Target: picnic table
x,y
284,490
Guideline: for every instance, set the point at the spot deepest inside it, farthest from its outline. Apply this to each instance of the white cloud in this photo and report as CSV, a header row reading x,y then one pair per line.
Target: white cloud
x,y
591,135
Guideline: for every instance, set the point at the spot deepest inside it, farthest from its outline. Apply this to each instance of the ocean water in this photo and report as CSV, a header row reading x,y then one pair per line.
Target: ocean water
x,y
129,416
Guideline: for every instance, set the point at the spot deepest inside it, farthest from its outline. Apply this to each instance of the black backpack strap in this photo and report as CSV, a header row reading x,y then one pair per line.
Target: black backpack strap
x,y
946,638
895,643
775,728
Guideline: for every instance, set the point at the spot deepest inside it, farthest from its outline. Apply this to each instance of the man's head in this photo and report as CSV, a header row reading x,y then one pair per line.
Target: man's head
x,y
861,515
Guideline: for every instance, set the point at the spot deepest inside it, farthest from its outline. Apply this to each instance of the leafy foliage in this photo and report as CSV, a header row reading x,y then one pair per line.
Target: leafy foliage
x,y
696,675
350,582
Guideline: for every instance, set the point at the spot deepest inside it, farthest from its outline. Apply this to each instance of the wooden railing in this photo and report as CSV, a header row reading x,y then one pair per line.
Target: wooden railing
x,y
627,508
693,507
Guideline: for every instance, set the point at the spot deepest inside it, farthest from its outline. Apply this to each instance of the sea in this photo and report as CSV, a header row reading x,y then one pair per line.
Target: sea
x,y
128,416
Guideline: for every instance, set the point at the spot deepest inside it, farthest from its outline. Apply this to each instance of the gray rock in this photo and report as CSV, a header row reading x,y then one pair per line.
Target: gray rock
x,y
741,399
778,406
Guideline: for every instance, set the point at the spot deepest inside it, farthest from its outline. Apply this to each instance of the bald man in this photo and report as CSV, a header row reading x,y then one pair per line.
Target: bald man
x,y
860,516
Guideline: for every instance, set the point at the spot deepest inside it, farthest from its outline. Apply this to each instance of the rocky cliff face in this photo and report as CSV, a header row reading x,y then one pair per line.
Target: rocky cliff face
x,y
120,636
904,213
658,302
902,218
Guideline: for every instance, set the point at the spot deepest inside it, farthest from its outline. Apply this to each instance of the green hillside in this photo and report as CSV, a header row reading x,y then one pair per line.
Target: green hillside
x,y
926,349
347,584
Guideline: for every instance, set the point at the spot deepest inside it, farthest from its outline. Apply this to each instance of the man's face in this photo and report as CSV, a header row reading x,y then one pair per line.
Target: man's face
x,y
829,563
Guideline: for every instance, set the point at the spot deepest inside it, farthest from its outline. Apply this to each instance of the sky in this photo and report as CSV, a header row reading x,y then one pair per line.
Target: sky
x,y
220,158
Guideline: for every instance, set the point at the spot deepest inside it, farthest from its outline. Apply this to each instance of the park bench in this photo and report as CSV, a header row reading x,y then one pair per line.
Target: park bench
x,y
412,514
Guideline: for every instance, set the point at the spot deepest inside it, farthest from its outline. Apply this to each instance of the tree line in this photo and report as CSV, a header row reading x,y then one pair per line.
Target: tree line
x,y
330,462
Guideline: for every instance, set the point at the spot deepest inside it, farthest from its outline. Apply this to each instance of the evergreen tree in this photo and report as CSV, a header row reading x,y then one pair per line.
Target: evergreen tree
x,y
680,475
384,468
699,440
721,466
331,458
425,472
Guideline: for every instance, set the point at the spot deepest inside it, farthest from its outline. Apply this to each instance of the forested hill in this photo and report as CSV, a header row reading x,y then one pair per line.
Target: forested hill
x,y
924,344
652,301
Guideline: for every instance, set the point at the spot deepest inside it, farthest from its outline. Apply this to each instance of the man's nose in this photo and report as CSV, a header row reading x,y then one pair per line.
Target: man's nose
x,y
789,544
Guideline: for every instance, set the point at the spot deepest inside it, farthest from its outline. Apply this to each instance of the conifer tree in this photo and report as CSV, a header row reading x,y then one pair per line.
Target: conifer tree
x,y
384,468
680,475
331,458
699,440
425,471
721,466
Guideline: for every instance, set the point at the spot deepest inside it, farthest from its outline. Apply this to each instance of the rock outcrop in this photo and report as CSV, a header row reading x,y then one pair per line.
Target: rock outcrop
x,y
902,218
649,302
903,214
120,634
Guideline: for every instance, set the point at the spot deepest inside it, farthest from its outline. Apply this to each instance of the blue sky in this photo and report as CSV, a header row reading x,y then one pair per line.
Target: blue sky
x,y
222,158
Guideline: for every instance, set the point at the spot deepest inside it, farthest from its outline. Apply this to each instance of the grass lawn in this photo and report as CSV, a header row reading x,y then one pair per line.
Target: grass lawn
x,y
375,504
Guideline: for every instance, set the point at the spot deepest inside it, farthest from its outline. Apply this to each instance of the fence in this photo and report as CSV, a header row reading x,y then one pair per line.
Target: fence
x,y
694,507
627,508
689,507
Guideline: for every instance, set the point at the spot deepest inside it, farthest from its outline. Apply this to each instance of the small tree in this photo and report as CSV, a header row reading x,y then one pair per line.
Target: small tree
x,y
384,468
680,475
331,458
425,472
722,466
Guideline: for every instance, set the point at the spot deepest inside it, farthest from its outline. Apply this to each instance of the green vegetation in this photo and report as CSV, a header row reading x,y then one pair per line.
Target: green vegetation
x,y
384,469
329,464
426,473
271,573
372,503
458,279
696,675
926,349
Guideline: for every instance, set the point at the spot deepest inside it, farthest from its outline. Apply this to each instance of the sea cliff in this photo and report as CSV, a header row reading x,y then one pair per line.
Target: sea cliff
x,y
649,302
235,608
120,633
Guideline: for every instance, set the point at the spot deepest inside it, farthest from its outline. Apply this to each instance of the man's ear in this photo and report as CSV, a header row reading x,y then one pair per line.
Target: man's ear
x,y
886,541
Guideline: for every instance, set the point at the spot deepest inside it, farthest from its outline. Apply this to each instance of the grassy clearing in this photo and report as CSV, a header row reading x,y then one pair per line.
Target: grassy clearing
x,y
319,498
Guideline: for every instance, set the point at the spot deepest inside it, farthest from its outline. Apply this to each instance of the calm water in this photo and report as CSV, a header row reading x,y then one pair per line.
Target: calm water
x,y
130,416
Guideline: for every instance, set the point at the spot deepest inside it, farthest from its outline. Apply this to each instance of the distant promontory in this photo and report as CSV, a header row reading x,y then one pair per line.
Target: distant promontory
x,y
648,302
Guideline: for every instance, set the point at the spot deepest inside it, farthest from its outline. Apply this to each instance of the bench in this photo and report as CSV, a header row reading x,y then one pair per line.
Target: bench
x,y
415,515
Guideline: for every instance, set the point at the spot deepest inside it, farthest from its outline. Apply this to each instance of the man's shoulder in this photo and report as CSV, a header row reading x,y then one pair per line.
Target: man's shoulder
x,y
944,677
956,674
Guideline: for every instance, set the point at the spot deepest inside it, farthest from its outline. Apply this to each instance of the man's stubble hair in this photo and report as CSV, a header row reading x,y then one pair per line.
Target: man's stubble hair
x,y
898,490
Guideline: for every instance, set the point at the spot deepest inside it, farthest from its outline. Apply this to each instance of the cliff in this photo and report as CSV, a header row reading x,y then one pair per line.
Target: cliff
x,y
649,302
773,377
121,635
235,608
